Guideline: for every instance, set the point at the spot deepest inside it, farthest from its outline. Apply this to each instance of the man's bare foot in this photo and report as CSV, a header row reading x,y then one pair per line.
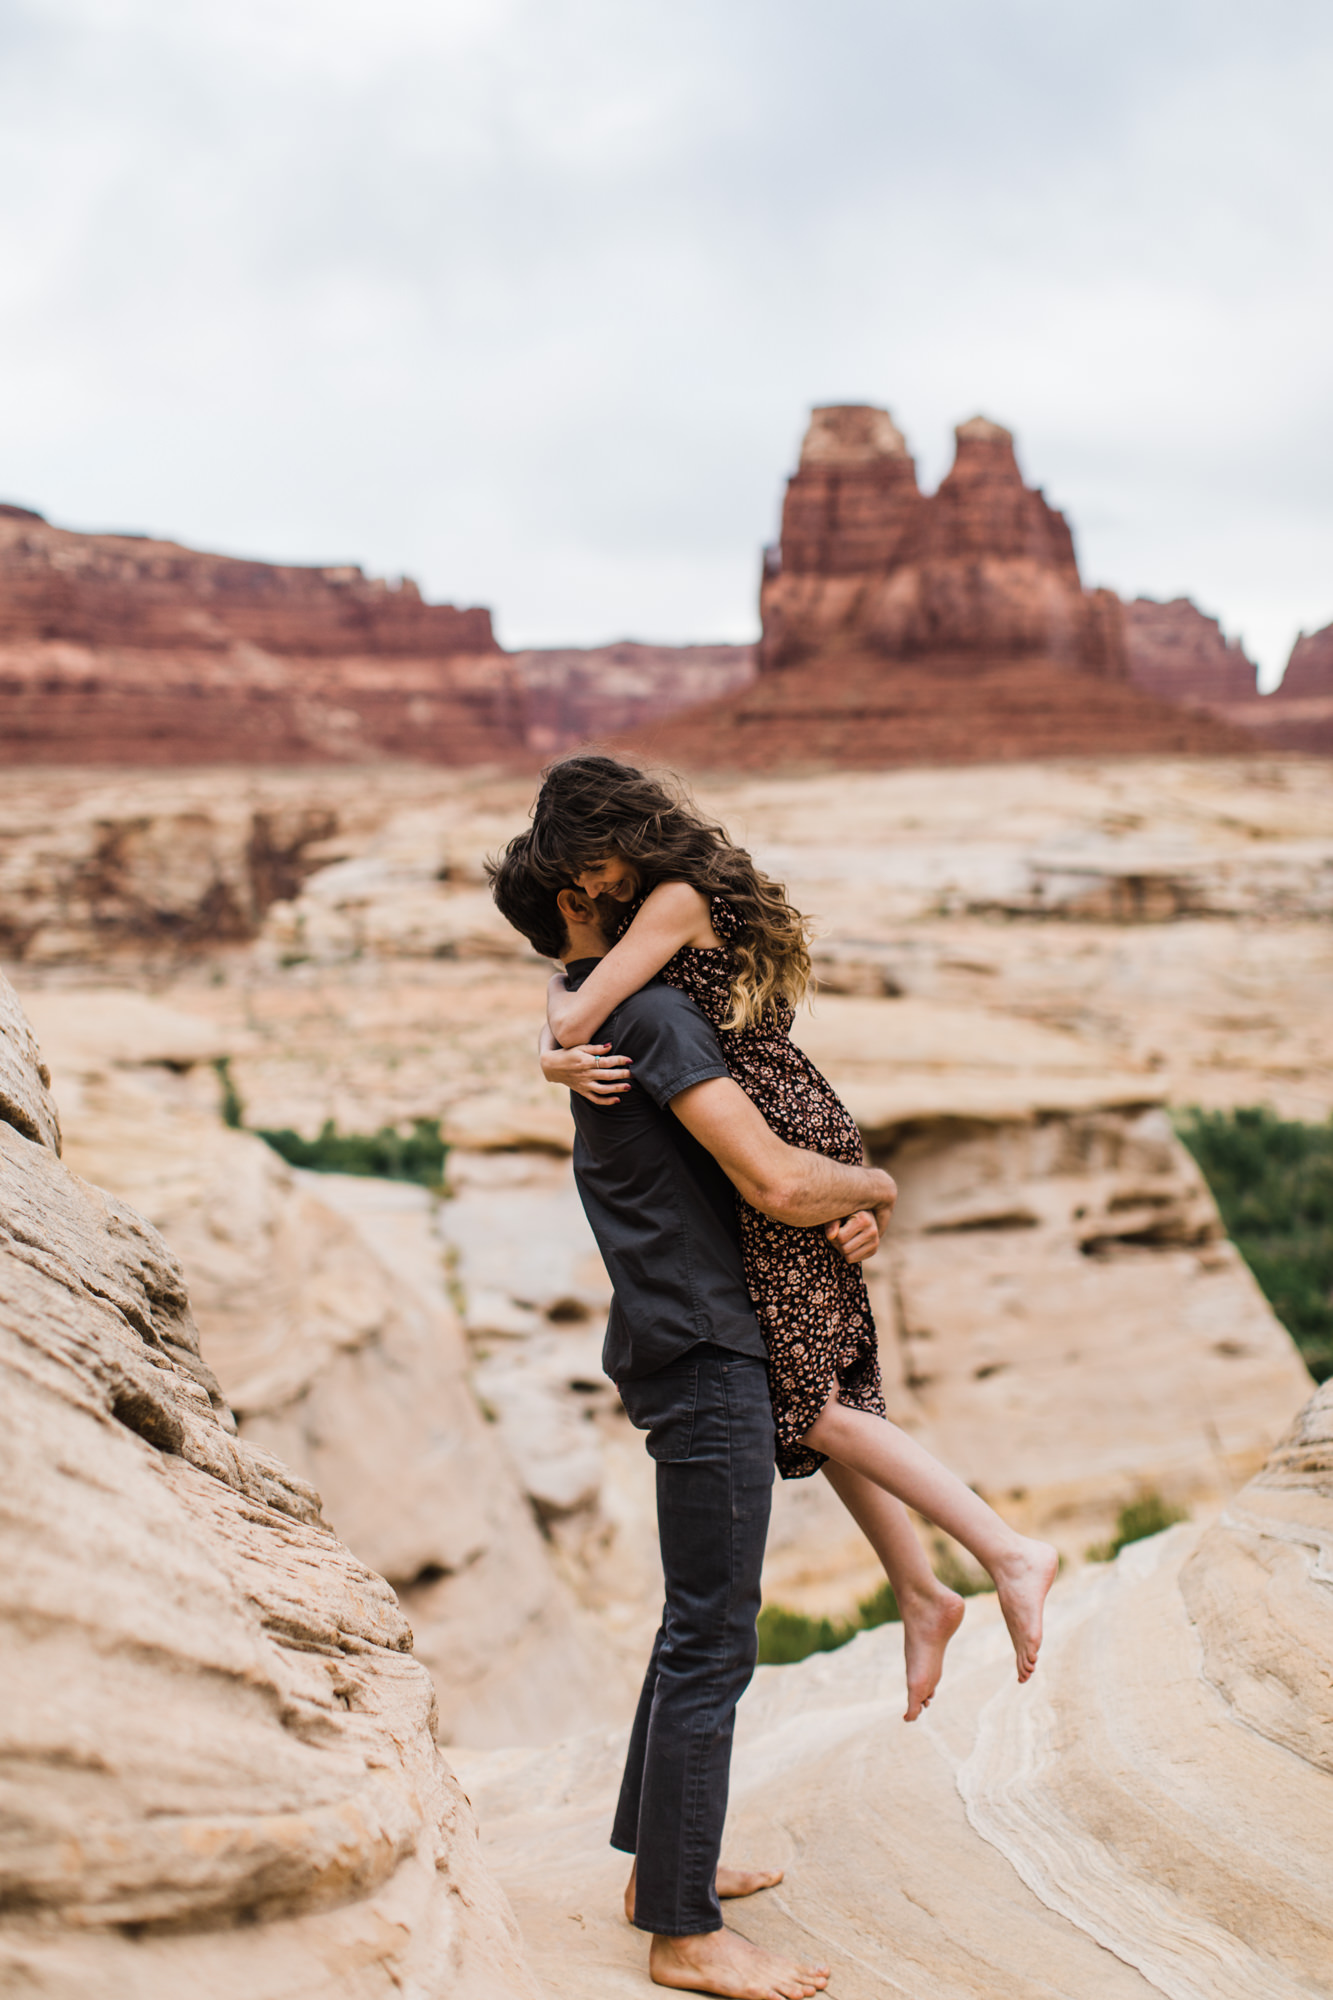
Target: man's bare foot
x,y
726,1963
1022,1579
927,1630
730,1882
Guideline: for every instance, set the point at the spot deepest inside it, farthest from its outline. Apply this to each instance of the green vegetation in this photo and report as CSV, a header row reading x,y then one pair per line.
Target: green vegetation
x,y
1272,1178
786,1636
1147,1515
233,1111
385,1155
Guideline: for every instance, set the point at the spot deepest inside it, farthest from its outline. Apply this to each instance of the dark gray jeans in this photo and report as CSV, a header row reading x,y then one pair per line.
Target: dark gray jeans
x,y
710,1429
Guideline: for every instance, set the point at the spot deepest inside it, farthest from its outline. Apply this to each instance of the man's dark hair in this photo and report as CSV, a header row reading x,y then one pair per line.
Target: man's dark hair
x,y
526,899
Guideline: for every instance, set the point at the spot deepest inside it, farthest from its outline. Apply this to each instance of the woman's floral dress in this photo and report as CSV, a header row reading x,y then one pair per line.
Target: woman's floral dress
x,y
811,1303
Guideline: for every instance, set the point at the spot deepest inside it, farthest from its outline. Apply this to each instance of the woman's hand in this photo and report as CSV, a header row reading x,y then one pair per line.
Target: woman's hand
x,y
592,1070
857,1236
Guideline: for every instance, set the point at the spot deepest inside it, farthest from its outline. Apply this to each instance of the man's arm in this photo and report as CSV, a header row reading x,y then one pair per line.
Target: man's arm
x,y
783,1181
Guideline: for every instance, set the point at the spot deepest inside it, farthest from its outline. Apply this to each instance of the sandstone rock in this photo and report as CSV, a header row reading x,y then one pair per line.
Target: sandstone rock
x,y
1120,1827
107,876
219,1757
1011,1026
324,1308
1178,652
913,628
1309,675
1299,713
984,565
580,694
1170,1791
1054,1249
122,649
857,710
26,1102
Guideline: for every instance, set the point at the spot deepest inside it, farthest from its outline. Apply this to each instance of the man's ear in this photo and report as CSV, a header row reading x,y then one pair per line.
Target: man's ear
x,y
576,907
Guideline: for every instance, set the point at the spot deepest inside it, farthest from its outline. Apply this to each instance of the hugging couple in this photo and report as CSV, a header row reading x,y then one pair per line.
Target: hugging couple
x,y
727,1188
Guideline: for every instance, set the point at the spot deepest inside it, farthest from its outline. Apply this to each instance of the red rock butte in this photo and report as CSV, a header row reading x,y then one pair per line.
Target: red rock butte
x,y
903,627
118,649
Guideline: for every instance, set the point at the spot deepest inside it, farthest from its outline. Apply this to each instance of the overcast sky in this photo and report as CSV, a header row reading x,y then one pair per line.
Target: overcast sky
x,y
529,298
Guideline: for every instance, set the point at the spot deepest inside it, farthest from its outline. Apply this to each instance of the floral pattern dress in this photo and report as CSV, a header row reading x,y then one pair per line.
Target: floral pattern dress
x,y
812,1305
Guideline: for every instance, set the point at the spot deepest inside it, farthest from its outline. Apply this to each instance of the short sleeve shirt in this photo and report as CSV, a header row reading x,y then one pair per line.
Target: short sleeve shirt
x,y
661,1208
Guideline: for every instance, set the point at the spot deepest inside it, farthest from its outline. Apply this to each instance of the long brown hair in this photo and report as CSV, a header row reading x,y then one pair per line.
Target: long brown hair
x,y
592,807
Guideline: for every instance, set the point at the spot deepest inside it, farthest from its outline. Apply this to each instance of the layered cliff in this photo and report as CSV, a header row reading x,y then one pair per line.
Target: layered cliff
x,y
121,649
117,649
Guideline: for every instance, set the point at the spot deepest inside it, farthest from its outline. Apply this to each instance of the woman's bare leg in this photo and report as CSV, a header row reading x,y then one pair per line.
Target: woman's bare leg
x,y
1023,1570
931,1612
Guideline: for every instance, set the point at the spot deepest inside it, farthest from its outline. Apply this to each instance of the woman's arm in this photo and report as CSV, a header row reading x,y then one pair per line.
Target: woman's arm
x,y
673,915
594,1071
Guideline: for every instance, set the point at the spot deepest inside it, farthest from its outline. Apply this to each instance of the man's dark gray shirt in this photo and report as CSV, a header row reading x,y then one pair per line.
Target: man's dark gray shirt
x,y
661,1208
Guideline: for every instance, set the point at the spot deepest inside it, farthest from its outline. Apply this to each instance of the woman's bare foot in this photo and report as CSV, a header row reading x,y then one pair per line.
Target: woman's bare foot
x,y
730,1882
726,1963
1022,1580
928,1627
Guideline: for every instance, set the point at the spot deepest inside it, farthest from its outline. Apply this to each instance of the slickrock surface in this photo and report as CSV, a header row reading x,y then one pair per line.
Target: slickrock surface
x,y
1152,1814
220,1772
324,1310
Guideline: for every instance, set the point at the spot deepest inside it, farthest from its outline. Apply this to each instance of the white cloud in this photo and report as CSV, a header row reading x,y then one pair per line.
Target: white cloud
x,y
529,297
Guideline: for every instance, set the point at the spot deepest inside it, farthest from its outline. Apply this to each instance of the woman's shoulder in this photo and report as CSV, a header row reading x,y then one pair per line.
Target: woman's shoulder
x,y
676,898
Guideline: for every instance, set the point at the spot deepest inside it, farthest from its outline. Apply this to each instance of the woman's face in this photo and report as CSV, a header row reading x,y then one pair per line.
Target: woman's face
x,y
615,877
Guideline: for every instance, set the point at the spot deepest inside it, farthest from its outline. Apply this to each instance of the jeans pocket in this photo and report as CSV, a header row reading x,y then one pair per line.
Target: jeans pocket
x,y
663,1405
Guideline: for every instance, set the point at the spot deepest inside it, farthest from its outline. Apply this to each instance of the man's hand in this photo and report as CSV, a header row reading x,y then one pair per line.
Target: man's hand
x,y
857,1236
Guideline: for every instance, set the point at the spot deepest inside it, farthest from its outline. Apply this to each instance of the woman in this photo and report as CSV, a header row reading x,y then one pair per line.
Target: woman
x,y
694,909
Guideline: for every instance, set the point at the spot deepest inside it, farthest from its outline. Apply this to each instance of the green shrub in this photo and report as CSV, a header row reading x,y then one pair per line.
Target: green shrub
x,y
384,1155
1148,1515
1272,1179
233,1111
786,1636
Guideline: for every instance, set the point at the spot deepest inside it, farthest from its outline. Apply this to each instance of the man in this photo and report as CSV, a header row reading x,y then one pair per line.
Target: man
x,y
656,1174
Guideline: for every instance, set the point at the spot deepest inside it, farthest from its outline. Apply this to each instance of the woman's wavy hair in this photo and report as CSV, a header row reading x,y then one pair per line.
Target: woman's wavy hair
x,y
592,807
